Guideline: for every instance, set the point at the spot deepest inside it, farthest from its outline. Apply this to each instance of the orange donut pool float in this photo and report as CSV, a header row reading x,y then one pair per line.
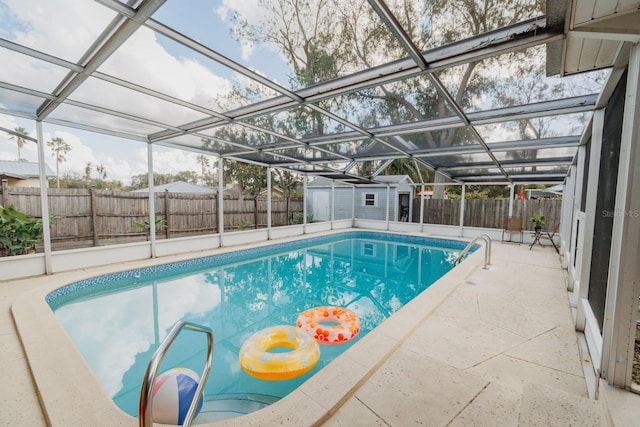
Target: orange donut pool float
x,y
329,325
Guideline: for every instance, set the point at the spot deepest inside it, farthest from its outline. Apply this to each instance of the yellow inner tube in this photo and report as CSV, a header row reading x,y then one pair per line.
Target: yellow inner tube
x,y
257,361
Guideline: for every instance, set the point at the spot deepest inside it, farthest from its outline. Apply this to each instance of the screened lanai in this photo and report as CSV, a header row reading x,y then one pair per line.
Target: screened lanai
x,y
368,83
464,92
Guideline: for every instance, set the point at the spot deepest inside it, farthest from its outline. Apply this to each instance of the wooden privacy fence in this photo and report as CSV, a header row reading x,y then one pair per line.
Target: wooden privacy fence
x,y
84,217
487,213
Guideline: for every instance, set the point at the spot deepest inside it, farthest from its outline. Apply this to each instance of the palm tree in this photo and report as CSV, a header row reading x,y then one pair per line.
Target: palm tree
x,y
58,150
204,164
20,139
102,172
87,172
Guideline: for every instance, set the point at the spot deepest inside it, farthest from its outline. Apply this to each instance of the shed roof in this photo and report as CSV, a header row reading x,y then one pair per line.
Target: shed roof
x,y
380,181
394,179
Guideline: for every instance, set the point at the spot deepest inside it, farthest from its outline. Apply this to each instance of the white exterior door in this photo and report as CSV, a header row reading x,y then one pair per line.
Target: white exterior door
x,y
321,206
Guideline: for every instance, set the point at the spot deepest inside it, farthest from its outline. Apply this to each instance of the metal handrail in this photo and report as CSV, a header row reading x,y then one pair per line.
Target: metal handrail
x,y
487,250
146,392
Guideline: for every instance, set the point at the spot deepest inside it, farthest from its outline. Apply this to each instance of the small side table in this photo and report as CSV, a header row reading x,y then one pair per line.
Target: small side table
x,y
537,234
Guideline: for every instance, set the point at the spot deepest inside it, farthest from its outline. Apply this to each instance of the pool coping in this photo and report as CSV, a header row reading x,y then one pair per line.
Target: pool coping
x,y
70,394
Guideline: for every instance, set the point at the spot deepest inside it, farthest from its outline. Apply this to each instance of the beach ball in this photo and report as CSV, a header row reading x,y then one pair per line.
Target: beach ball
x,y
173,392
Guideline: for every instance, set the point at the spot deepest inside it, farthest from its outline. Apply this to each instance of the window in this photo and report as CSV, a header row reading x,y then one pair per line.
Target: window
x,y
368,249
369,199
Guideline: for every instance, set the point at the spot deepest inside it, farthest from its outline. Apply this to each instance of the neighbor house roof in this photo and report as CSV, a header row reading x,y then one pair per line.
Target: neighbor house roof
x,y
179,187
22,170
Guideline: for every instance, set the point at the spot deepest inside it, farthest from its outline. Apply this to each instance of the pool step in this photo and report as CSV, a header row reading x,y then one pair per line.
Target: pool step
x,y
224,406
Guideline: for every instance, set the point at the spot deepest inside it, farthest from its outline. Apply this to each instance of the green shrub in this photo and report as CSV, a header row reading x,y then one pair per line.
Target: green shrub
x,y
299,216
18,233
244,223
145,226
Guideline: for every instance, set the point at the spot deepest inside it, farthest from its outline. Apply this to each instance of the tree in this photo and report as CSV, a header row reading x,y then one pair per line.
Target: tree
x,y
87,171
408,167
204,163
59,149
186,176
321,41
251,178
142,180
20,140
102,172
288,182
75,180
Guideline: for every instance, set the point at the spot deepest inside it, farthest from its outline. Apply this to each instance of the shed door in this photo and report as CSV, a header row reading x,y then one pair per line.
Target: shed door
x,y
320,208
403,208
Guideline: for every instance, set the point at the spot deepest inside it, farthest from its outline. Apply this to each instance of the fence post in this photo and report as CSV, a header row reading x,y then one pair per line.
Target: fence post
x,y
5,193
167,212
94,217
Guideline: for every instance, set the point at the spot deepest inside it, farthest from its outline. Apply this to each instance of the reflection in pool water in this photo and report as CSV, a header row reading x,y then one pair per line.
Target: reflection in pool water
x,y
118,326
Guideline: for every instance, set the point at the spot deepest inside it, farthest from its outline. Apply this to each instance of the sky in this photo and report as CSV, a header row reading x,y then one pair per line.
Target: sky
x,y
65,28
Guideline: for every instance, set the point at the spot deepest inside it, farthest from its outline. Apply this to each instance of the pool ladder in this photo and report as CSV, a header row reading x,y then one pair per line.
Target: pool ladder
x,y
150,375
487,250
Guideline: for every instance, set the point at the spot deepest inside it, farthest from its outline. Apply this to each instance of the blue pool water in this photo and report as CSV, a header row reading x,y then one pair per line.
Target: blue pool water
x,y
117,321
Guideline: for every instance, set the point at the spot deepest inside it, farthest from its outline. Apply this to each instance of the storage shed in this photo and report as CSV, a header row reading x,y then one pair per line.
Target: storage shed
x,y
370,199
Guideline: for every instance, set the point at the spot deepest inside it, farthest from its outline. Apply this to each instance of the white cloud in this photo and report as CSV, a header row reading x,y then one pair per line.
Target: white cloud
x,y
115,328
66,28
249,10
166,160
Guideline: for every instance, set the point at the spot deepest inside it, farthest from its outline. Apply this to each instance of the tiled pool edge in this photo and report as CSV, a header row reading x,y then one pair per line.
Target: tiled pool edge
x,y
89,286
71,395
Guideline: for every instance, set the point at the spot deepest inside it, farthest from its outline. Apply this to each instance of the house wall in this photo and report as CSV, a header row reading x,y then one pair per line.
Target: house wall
x,y
29,182
378,211
343,202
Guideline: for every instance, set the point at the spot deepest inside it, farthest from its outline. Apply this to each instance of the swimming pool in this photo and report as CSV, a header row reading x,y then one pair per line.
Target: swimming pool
x,y
118,320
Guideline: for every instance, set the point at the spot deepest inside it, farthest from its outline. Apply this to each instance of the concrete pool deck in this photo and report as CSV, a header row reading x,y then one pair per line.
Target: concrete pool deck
x,y
484,347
